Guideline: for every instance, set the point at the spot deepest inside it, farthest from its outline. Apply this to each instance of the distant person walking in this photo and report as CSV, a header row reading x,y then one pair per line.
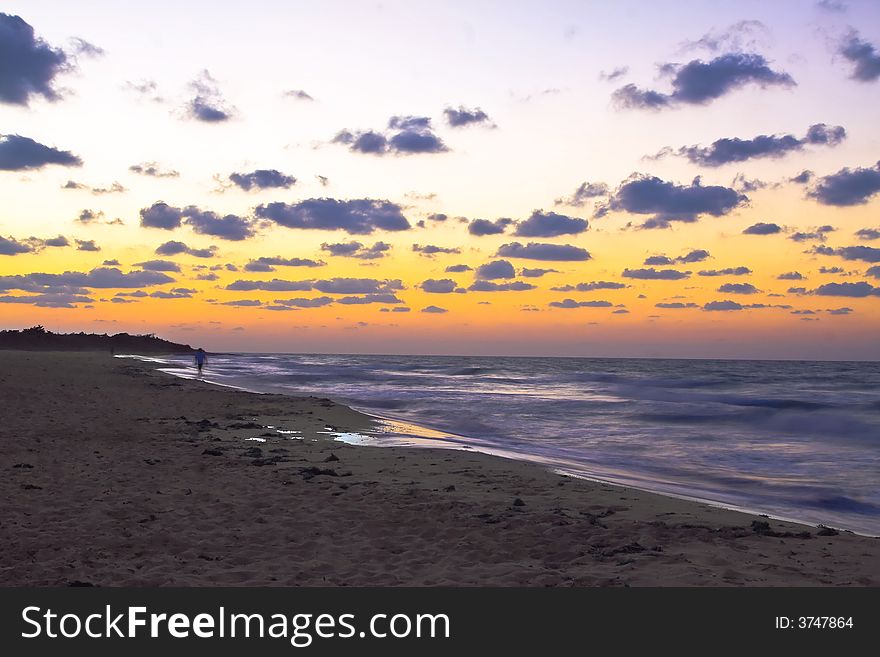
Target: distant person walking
x,y
201,359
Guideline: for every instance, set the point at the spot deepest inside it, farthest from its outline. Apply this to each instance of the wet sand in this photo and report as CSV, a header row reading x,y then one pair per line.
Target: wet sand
x,y
118,475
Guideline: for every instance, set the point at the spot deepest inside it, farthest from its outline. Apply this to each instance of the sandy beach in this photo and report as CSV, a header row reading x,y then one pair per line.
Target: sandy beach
x,y
119,475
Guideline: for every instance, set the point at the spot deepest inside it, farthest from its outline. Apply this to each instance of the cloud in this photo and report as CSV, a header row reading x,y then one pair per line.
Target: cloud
x,y
571,303
762,228
729,271
461,117
268,263
385,297
696,255
161,215
299,302
19,153
175,293
457,269
242,302
674,305
643,194
87,245
550,224
834,6
159,265
11,246
406,135
482,227
742,35
868,234
175,248
540,251
262,179
864,253
356,216
873,271
228,227
738,288
441,286
490,286
862,55
613,74
327,286
297,94
434,309
153,170
495,270
860,289
358,250
699,82
817,234
431,250
729,150
656,274
847,187
536,273
208,104
30,65
76,282
49,300
722,306
583,193
88,216
589,287
791,276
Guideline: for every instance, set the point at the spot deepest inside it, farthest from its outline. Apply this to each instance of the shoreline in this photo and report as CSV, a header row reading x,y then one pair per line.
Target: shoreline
x,y
426,437
136,478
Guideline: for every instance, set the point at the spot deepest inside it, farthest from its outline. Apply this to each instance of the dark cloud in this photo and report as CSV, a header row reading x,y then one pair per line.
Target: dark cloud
x,y
434,309
175,293
87,245
762,228
860,289
275,285
208,104
356,216
738,288
161,215
495,270
10,246
873,272
791,276
729,150
589,287
550,224
159,265
482,227
659,260
642,194
262,179
656,274
76,282
696,255
722,306
227,227
431,250
458,118
864,253
268,263
175,248
729,271
29,64
49,300
834,6
699,82
863,55
675,305
490,286
384,297
536,273
245,303
847,186
742,35
868,234
19,153
571,303
88,216
540,251
153,169
407,135
441,286
457,269
316,302
831,270
583,193
327,286
358,250
817,234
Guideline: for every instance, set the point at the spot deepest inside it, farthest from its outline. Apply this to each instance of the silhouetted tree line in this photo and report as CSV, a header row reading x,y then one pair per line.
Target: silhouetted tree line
x,y
38,338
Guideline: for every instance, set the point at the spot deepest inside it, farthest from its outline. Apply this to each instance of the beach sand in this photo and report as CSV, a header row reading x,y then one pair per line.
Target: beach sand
x,y
115,474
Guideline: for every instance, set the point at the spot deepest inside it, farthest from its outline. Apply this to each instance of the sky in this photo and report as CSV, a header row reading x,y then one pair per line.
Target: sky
x,y
628,179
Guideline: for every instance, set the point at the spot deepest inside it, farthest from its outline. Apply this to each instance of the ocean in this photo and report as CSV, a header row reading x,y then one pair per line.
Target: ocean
x,y
791,439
